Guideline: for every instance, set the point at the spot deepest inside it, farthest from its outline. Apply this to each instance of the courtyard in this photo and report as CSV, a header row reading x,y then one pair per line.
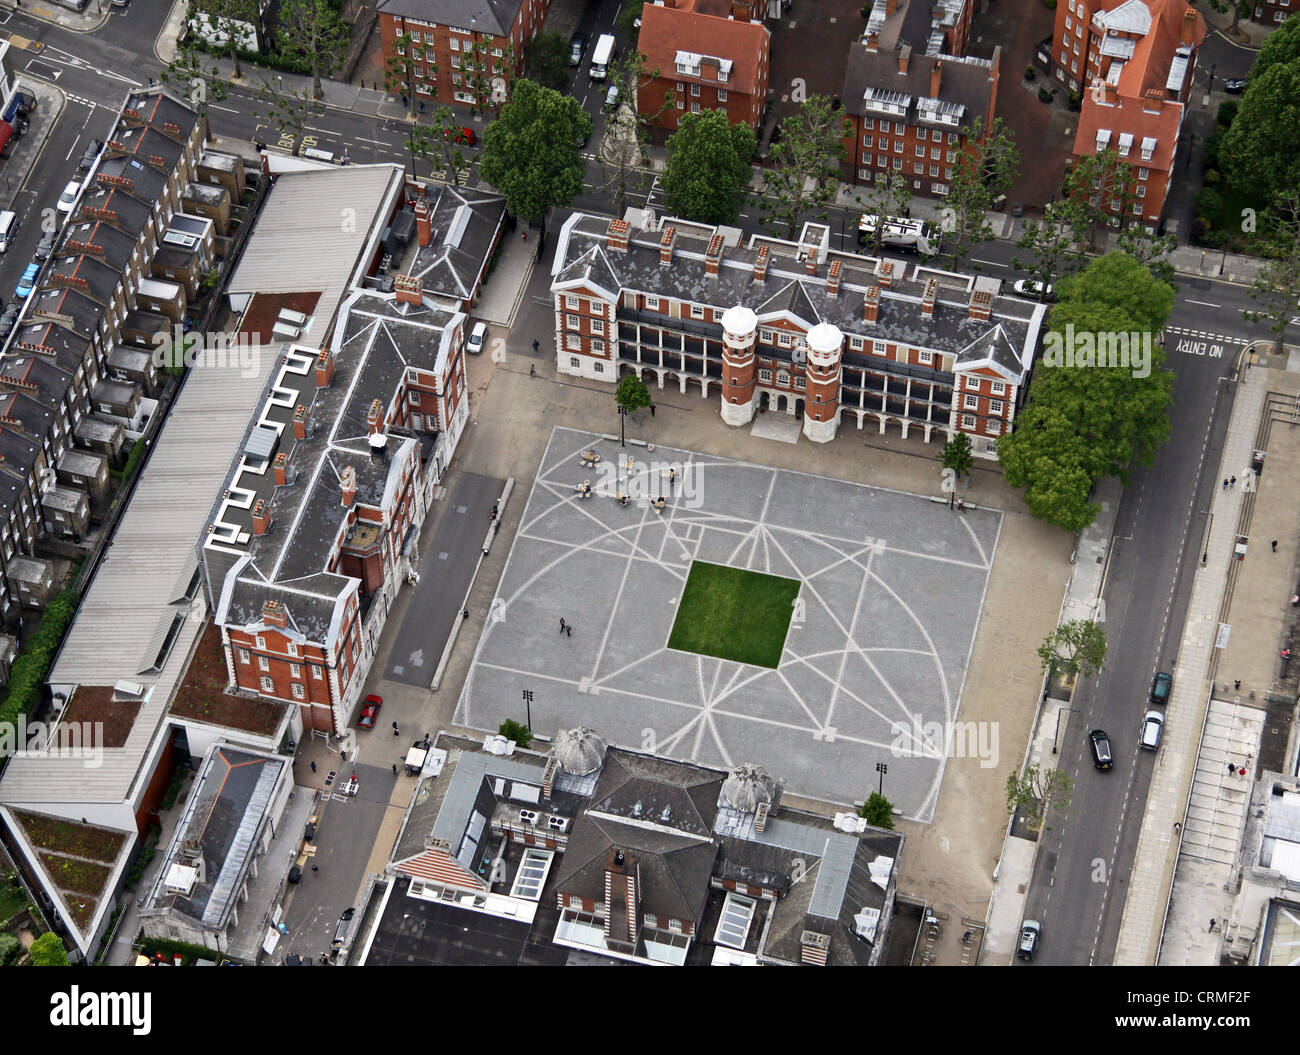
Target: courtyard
x,y
881,604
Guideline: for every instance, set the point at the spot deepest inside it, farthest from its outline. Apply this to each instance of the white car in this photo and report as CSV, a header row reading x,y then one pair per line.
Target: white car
x,y
1028,287
477,338
1152,726
69,196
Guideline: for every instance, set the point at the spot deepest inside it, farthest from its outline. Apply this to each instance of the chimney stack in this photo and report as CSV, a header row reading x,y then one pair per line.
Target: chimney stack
x,y
1189,26
273,614
618,235
871,304
1153,100
810,265
884,273
666,245
713,255
300,423
927,298
324,368
833,279
375,417
281,467
981,305
760,264
424,221
873,41
936,75
261,517
904,56
349,484
410,290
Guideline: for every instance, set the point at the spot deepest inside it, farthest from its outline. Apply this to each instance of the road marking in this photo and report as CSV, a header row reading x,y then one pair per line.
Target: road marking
x,y
1203,303
223,109
375,142
991,263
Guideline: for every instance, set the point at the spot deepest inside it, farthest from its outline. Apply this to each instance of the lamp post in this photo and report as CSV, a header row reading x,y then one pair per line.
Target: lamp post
x,y
528,708
622,422
882,768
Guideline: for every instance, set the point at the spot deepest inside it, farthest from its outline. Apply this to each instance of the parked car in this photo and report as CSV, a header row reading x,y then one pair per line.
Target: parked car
x,y
611,97
1028,287
577,48
9,319
1160,688
1152,726
88,156
370,711
1234,85
45,247
295,873
1030,931
477,338
1101,753
28,282
69,196
465,136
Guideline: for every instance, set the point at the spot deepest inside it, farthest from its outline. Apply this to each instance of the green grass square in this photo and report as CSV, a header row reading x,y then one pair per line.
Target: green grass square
x,y
734,614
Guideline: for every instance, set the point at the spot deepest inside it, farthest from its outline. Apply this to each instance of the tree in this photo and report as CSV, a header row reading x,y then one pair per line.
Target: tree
x,y
546,61
1276,287
631,394
1150,252
1100,183
1076,647
227,24
485,74
288,109
1041,790
399,71
444,130
1258,152
982,174
48,951
311,33
626,141
1052,241
707,173
887,197
878,811
516,731
1118,281
806,157
957,454
195,75
1280,48
531,152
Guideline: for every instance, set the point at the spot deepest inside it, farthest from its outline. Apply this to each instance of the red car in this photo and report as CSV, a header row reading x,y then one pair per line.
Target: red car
x,y
460,135
370,711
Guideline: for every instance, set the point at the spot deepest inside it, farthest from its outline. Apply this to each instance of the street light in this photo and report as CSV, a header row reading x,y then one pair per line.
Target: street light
x,y
882,768
622,421
528,708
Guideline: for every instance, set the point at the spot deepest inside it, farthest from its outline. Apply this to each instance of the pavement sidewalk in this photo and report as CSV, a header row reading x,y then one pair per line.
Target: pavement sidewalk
x,y
25,151
94,15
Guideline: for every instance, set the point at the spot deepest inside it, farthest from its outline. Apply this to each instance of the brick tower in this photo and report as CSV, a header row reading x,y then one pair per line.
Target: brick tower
x,y
821,411
739,328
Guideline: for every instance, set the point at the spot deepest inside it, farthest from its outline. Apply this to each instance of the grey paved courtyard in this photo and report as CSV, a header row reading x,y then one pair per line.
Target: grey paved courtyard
x,y
874,661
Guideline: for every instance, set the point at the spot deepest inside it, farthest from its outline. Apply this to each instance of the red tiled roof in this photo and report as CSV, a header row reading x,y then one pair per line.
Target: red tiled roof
x,y
1128,115
1154,53
666,30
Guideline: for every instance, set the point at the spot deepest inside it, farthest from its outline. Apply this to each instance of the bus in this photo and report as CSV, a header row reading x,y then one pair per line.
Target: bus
x,y
601,56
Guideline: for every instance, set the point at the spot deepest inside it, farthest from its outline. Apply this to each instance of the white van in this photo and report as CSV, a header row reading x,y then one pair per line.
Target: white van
x,y
477,338
8,226
601,56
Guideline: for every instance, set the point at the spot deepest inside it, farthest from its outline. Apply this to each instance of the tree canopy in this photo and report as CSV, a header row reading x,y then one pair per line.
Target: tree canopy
x,y
1258,151
707,174
806,157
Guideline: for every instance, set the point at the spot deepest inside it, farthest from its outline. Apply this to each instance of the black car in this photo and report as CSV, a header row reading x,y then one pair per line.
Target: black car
x,y
1234,85
88,157
1160,688
45,247
295,873
577,45
1101,753
9,320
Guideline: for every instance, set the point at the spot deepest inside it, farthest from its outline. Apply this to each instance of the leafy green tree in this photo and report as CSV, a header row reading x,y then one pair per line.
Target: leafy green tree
x,y
1276,287
420,143
223,18
195,75
878,811
399,71
1280,48
546,61
48,951
516,731
311,33
707,174
444,129
983,173
1151,252
1118,281
485,74
632,394
531,152
626,142
1052,241
1043,791
805,171
1102,185
1258,153
288,109
957,454
1076,647
889,196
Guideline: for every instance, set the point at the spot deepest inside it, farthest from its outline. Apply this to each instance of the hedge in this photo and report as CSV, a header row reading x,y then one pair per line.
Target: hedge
x,y
189,953
31,667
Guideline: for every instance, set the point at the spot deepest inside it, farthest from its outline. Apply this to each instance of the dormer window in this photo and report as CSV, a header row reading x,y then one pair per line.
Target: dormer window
x,y
1148,148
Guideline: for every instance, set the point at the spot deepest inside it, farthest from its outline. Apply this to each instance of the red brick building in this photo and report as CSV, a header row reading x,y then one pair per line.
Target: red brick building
x,y
1133,61
1274,12
445,35
710,54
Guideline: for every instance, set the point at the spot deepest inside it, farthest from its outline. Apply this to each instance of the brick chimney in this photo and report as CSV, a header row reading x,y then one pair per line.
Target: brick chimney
x,y
810,264
621,898
1109,93
873,41
375,418
273,614
324,368
833,279
871,304
713,256
349,484
618,235
300,422
760,264
904,57
1189,27
410,290
981,305
424,221
927,298
936,75
1153,100
261,517
885,273
281,468
666,245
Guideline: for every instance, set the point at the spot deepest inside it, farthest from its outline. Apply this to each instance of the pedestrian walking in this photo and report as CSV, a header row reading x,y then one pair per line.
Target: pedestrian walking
x,y
395,731
569,630
315,868
652,410
561,624
1225,483
524,236
1232,768
313,767
394,769
1275,545
465,614
1236,685
1213,921
1232,482
536,345
532,372
139,902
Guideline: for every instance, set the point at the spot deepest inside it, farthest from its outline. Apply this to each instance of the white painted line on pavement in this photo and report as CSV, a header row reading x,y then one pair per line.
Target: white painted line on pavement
x,y
223,109
374,142
991,263
1203,303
